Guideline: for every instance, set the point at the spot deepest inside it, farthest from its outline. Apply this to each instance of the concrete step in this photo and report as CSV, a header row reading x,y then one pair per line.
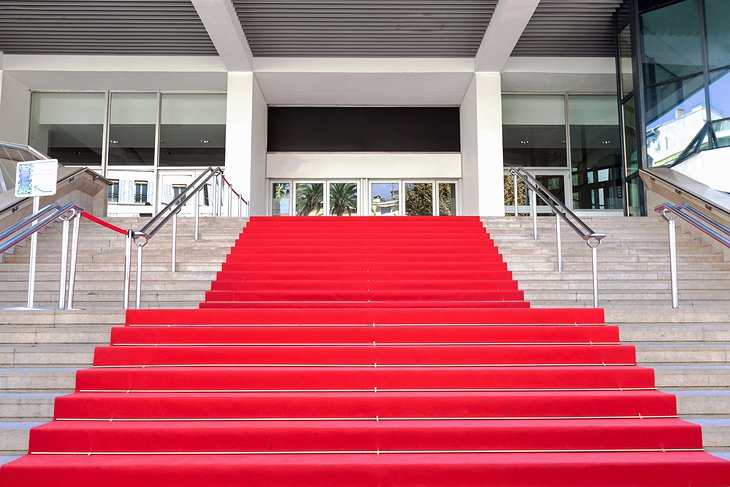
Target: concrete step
x,y
696,353
37,379
675,332
692,376
90,335
46,355
715,431
27,406
14,436
702,402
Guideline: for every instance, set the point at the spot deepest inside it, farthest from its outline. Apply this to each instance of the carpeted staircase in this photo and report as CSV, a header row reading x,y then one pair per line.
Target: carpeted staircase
x,y
360,351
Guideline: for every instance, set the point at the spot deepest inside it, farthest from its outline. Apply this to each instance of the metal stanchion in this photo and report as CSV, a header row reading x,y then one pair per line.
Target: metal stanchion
x,y
516,204
174,242
64,265
240,207
33,255
593,243
196,232
138,290
533,209
230,201
672,225
127,267
559,242
74,254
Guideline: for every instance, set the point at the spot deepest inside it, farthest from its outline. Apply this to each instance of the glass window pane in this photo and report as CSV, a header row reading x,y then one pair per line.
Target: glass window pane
x,y
343,199
554,183
447,199
385,199
419,199
717,15
720,94
280,199
193,130
675,113
310,199
595,152
68,126
627,67
533,130
132,129
671,37
631,151
635,197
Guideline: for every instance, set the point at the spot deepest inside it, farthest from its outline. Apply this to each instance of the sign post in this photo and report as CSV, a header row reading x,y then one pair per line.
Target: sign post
x,y
35,179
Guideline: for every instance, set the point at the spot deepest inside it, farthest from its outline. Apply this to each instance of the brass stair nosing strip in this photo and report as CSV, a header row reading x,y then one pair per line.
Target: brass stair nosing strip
x,y
375,366
374,390
374,452
369,419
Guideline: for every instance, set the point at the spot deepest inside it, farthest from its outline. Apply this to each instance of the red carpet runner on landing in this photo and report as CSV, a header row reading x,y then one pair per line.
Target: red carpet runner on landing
x,y
366,352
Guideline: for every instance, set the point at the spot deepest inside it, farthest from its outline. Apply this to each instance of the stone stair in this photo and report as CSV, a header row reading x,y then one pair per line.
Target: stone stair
x,y
41,350
688,347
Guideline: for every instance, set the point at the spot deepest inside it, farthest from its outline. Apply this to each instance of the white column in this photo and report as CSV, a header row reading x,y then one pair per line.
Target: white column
x,y
246,139
14,109
481,147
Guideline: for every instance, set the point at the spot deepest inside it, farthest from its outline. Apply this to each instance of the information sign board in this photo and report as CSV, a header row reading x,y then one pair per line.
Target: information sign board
x,y
36,178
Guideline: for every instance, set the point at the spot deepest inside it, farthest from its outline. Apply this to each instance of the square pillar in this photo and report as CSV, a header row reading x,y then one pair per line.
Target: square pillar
x,y
246,124
481,147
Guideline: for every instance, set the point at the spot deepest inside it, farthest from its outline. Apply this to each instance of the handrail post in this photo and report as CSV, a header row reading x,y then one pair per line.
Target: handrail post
x,y
559,243
127,268
240,207
516,202
533,209
230,201
593,242
74,255
174,243
672,224
138,288
216,195
33,255
64,266
196,232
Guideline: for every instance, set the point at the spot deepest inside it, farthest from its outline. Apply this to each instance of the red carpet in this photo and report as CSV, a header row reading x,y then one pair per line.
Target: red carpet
x,y
366,352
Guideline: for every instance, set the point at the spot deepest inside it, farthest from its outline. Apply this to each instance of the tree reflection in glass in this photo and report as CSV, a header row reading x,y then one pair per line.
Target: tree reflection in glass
x,y
310,199
343,199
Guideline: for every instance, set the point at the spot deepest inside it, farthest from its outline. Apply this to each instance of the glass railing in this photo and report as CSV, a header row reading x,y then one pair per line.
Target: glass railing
x,y
714,135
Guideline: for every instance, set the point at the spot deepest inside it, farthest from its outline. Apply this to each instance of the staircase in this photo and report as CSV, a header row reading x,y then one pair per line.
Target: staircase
x,y
368,352
41,351
689,347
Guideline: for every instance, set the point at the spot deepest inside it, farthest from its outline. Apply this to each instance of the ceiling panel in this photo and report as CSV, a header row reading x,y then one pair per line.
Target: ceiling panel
x,y
364,28
102,27
570,28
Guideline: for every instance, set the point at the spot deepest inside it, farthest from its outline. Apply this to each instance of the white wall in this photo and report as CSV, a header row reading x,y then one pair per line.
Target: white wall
x,y
481,147
14,110
710,168
356,165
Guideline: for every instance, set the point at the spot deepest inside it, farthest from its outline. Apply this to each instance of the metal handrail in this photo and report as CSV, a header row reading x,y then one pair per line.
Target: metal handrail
x,y
19,232
671,213
170,213
561,212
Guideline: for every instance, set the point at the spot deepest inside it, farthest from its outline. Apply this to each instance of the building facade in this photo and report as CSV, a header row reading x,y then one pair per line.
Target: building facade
x,y
366,109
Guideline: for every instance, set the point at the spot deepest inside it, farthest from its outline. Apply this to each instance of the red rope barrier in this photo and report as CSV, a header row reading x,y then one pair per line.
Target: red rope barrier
x,y
234,191
101,222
